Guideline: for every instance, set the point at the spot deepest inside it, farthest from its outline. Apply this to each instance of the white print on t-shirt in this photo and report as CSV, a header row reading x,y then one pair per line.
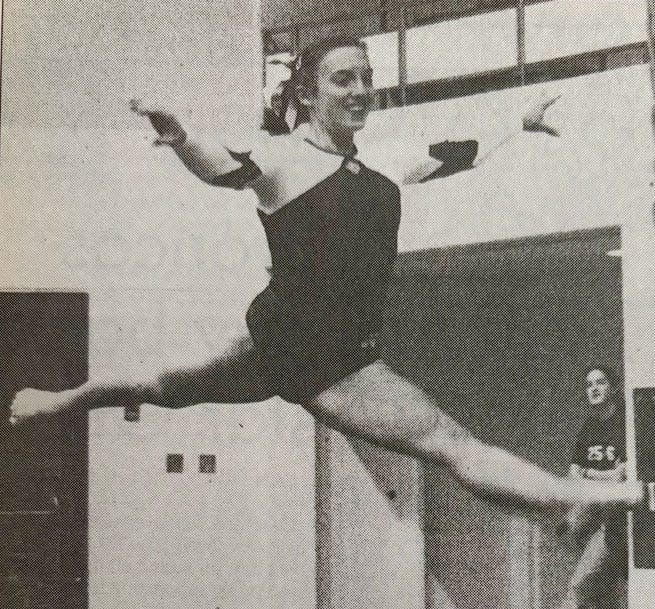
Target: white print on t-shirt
x,y
600,452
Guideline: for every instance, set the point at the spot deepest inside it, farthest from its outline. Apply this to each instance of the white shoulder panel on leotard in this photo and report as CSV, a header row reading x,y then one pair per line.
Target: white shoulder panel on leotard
x,y
290,166
395,159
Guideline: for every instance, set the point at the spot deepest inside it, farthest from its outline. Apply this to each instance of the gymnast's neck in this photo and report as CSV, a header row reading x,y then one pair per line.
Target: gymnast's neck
x,y
339,141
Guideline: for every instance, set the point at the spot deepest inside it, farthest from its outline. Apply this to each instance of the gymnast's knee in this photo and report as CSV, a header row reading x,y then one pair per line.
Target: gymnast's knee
x,y
452,448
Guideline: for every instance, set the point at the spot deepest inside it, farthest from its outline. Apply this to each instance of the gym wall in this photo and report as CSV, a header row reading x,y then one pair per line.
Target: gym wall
x,y
78,173
169,265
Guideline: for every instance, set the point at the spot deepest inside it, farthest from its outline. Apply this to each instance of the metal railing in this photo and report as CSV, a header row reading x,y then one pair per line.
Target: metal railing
x,y
402,17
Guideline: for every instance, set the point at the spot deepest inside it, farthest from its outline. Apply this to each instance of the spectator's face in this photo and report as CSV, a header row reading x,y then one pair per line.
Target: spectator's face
x,y
598,388
342,97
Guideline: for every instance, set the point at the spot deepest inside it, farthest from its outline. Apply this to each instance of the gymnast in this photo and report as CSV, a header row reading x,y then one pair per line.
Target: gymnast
x,y
331,224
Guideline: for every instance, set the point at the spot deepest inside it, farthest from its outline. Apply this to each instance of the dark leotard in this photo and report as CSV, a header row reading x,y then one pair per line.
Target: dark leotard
x,y
331,225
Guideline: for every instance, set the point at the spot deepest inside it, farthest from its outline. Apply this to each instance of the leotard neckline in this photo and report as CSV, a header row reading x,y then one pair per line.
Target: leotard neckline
x,y
350,155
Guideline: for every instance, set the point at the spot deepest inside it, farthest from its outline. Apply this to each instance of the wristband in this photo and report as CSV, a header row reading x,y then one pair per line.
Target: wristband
x,y
179,140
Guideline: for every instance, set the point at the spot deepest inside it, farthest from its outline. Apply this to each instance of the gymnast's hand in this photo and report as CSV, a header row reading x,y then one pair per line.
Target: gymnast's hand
x,y
533,120
169,129
29,403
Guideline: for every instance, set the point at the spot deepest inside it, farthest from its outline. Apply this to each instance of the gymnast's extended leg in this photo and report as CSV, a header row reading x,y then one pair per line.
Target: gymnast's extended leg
x,y
235,376
381,406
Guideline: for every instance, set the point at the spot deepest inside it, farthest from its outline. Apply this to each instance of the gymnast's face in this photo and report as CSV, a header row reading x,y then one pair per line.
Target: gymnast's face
x,y
599,390
342,97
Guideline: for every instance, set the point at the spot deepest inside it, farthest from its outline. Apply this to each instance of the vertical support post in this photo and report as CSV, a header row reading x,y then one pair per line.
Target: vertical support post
x,y
384,96
369,525
402,56
651,53
384,17
520,39
265,36
650,7
535,579
638,237
295,39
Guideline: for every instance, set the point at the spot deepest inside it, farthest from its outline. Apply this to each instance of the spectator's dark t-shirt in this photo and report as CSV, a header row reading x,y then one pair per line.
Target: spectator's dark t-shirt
x,y
600,443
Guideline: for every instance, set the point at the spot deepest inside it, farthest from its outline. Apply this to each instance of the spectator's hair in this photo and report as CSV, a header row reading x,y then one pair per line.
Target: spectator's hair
x,y
610,374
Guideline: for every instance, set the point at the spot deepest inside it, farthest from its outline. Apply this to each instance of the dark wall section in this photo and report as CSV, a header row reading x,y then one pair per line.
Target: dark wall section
x,y
500,335
44,474
44,340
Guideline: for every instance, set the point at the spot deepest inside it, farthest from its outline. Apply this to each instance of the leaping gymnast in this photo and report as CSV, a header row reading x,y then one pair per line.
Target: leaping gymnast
x,y
331,224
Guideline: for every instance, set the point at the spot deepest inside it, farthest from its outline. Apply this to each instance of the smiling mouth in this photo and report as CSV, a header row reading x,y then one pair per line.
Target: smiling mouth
x,y
357,111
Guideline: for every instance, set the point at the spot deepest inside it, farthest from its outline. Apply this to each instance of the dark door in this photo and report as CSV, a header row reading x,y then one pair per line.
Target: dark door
x,y
44,473
500,334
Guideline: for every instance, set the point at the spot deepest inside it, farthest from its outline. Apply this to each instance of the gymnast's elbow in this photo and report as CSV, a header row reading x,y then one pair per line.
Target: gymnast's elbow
x,y
209,175
216,173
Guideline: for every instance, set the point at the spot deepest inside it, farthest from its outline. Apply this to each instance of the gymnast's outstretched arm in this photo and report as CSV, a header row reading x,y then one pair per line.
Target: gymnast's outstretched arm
x,y
208,160
449,157
533,121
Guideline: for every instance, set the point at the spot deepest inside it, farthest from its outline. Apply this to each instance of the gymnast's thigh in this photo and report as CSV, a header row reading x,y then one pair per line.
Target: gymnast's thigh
x,y
380,405
237,375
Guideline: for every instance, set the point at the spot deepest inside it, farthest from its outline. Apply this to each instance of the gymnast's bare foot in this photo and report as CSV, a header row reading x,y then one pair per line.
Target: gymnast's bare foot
x,y
29,403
